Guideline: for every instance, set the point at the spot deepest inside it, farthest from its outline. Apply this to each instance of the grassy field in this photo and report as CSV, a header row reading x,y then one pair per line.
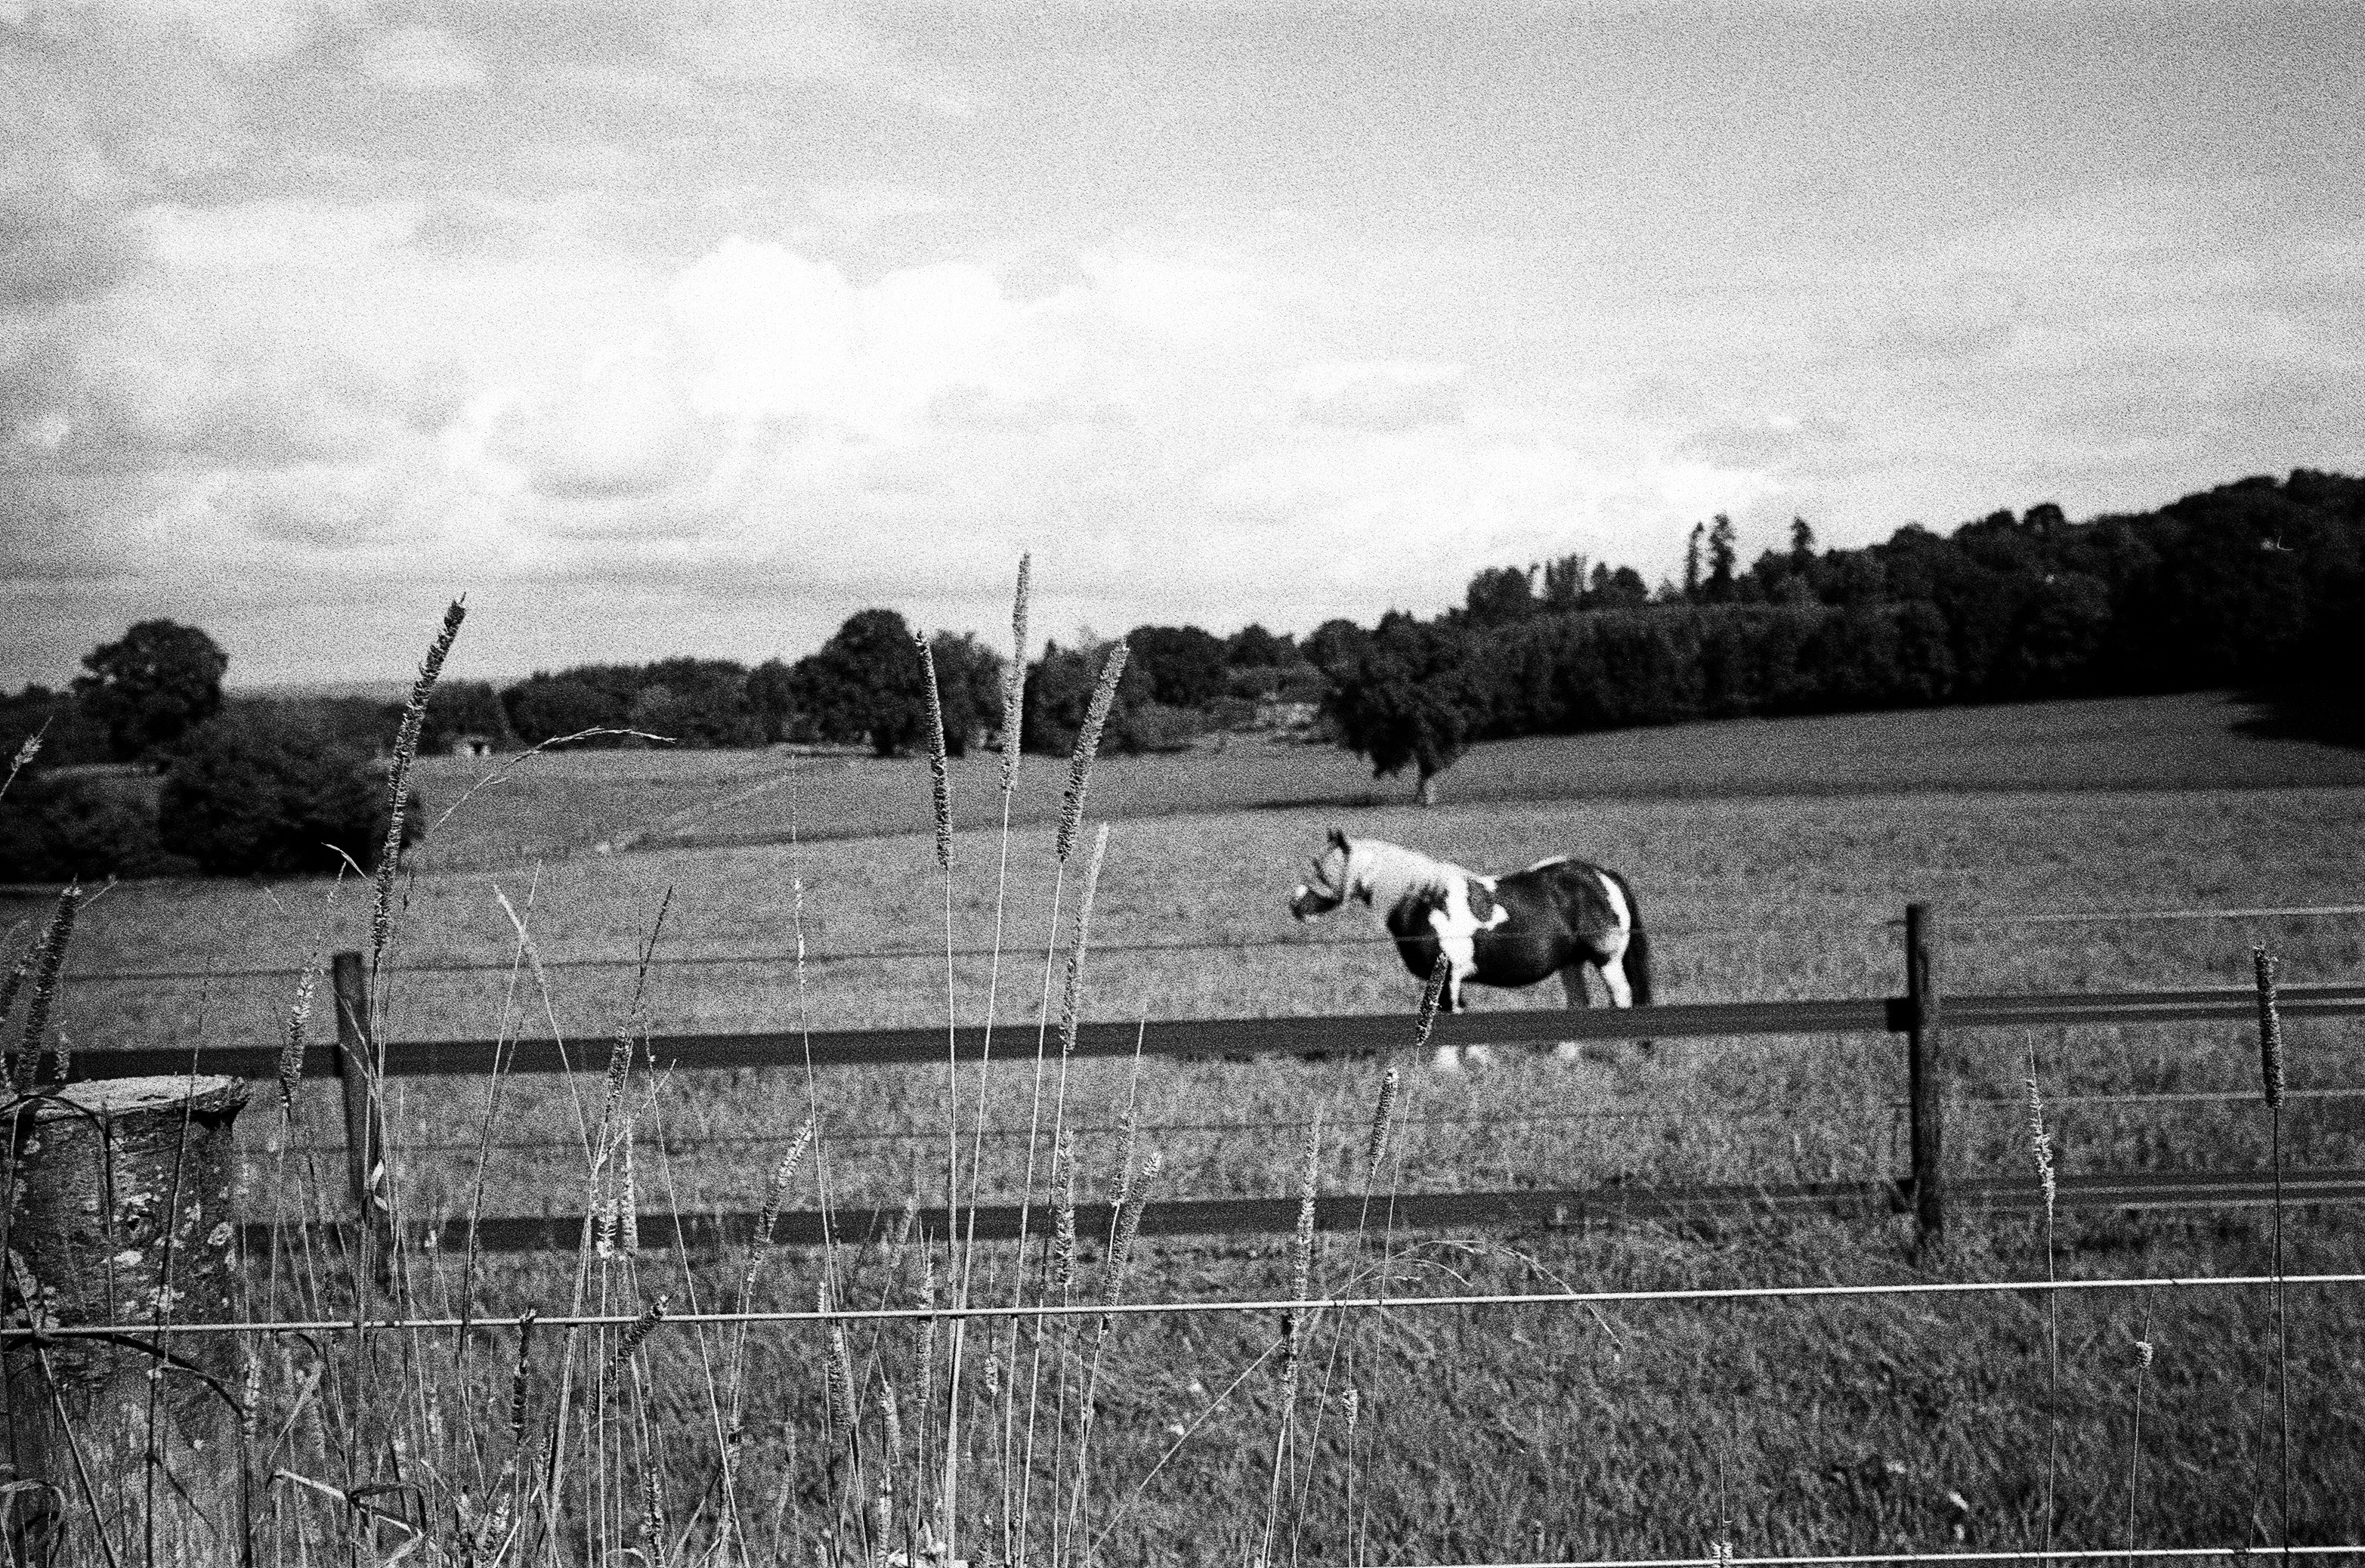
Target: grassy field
x,y
573,802
1506,1433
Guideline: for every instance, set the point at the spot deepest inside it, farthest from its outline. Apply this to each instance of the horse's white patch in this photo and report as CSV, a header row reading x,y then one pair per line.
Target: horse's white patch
x,y
1613,963
1457,928
1549,860
1618,910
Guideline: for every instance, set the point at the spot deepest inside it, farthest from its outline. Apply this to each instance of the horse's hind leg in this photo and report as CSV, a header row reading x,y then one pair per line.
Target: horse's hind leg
x,y
1613,976
1572,983
1621,988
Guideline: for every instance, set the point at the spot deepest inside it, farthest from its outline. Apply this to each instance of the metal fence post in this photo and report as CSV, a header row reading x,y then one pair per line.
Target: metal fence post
x,y
1924,1071
364,1141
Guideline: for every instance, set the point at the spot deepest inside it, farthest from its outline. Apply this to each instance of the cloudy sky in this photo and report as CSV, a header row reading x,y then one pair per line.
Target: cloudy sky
x,y
695,327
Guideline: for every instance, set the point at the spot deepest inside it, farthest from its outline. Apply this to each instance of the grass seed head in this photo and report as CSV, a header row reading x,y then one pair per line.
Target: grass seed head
x,y
640,1330
777,1190
1072,998
1432,996
1376,1145
1310,1181
1013,679
2040,1142
521,1380
49,957
1063,1217
291,1049
1128,1225
2270,1025
891,1419
620,1067
1301,1249
1088,745
652,1517
250,1401
406,752
839,1374
939,781
26,753
628,1202
1128,1126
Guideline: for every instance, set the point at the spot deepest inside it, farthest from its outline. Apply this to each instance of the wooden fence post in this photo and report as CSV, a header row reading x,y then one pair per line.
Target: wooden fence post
x,y
364,1140
1924,1074
121,1211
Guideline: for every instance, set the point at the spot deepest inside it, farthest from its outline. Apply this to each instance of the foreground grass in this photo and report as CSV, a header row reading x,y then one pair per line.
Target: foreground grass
x,y
1481,1433
1547,1432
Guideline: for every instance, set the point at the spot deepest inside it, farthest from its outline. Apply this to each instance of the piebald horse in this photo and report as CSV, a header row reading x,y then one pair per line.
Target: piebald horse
x,y
1554,918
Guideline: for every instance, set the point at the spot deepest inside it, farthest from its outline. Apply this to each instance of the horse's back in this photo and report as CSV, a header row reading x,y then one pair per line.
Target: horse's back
x,y
1589,900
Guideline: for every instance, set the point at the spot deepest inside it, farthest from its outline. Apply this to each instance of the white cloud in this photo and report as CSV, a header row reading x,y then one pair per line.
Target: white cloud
x,y
1385,396
422,60
274,233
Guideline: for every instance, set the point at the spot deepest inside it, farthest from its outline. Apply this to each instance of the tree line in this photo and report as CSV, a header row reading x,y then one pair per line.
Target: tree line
x,y
2258,584
209,783
273,786
864,687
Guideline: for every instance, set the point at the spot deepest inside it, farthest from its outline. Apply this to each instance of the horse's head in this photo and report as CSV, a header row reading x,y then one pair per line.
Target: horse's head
x,y
1330,881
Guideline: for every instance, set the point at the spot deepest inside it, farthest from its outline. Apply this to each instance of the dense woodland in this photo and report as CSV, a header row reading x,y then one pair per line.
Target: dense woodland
x,y
2257,585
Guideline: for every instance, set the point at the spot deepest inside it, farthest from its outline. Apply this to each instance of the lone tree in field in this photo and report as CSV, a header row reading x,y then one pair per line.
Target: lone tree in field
x,y
866,682
152,686
1404,702
969,681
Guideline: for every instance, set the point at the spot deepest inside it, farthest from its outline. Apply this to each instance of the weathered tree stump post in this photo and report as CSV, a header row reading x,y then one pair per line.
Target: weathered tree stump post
x,y
121,1211
1924,1079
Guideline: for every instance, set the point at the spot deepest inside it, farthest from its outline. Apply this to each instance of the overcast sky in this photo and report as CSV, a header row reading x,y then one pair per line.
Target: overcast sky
x,y
694,328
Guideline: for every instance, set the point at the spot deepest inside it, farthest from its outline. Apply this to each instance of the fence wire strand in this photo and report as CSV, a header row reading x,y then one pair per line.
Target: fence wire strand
x,y
2098,1554
1303,1305
1206,945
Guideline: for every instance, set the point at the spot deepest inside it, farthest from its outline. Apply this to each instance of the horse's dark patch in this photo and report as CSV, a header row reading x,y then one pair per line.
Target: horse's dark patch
x,y
1481,903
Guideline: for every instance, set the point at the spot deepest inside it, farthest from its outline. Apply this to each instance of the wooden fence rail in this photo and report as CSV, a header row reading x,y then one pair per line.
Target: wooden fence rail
x,y
1545,1208
1923,1015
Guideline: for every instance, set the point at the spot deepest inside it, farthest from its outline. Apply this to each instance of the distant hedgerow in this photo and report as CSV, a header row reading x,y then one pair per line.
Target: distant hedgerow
x,y
258,792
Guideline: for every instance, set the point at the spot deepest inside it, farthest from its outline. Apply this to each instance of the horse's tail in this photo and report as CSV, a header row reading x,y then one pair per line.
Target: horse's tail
x,y
1637,956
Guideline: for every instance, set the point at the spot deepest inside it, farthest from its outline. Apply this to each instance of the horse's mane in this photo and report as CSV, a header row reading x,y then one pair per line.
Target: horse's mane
x,y
1390,873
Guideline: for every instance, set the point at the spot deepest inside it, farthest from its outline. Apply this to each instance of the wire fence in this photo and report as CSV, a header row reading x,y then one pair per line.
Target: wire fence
x,y
695,1143
1195,944
2098,1554
1709,1295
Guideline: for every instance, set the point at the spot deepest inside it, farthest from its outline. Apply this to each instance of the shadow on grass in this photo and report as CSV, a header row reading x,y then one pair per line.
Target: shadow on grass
x,y
2326,717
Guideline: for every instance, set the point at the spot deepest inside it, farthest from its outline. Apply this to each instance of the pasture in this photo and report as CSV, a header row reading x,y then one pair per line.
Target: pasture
x,y
1771,861
571,803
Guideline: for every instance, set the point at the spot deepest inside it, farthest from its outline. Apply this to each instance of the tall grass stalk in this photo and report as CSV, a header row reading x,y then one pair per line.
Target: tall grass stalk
x,y
29,749
1124,1229
2040,1151
1301,1277
1012,693
406,753
47,959
2264,966
1079,764
2134,1437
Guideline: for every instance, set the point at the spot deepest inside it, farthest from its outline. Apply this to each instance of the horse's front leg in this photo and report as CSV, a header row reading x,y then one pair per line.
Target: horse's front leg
x,y
1449,1059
